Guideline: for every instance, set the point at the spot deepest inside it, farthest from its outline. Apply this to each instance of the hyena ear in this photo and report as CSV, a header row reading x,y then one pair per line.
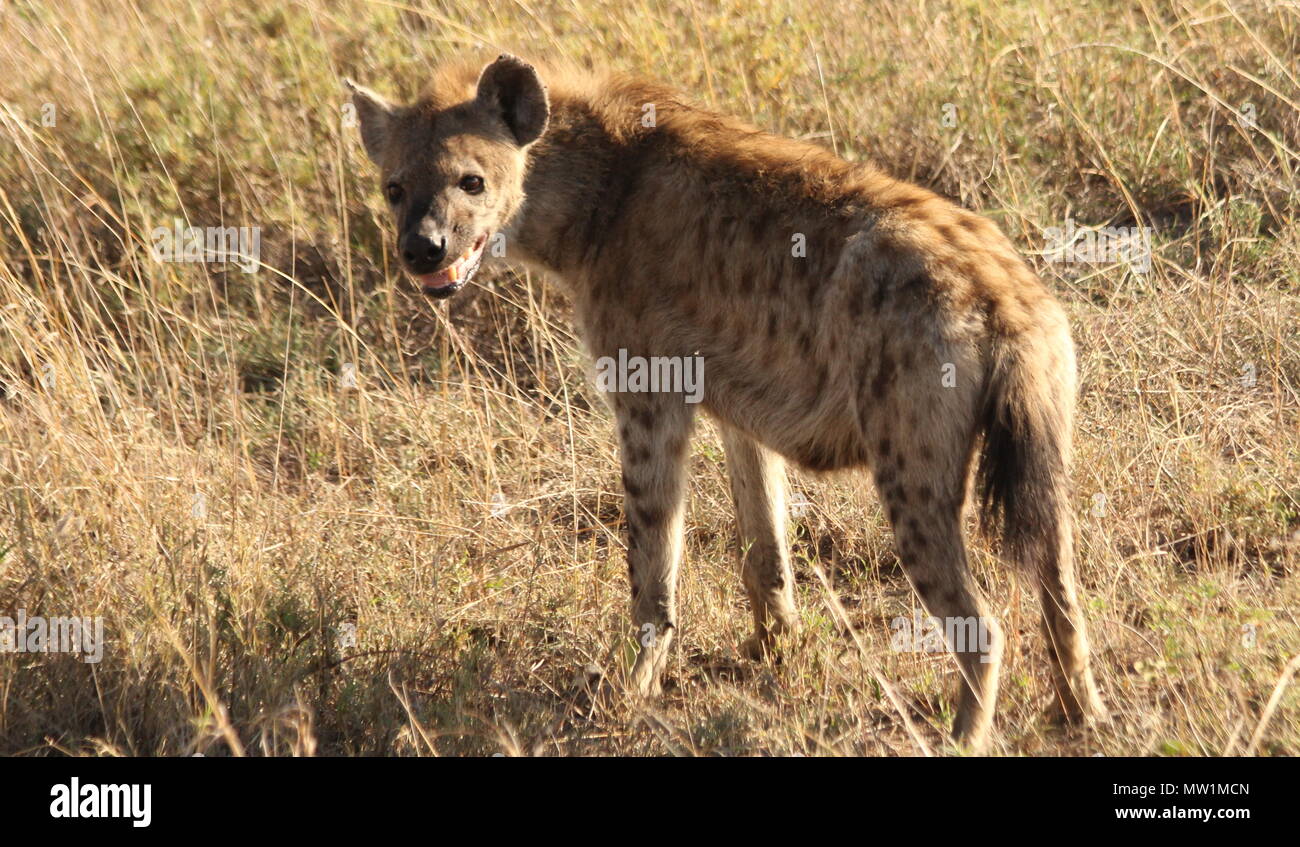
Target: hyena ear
x,y
375,114
511,89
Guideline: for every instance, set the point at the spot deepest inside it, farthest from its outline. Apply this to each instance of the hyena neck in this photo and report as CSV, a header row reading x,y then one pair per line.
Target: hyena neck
x,y
562,190
582,171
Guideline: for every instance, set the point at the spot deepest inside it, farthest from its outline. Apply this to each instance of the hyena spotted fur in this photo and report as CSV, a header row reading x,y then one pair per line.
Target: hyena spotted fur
x,y
906,336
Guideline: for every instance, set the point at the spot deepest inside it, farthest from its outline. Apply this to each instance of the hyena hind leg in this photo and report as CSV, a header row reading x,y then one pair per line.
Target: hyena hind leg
x,y
1067,639
926,521
758,487
654,434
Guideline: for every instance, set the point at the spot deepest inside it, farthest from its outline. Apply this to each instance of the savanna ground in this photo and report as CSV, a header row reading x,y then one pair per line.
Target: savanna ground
x,y
239,470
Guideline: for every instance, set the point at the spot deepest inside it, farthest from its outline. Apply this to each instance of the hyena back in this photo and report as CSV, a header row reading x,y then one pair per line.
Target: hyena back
x,y
845,319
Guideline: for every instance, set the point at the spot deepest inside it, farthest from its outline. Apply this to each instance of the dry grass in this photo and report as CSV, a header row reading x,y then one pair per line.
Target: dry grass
x,y
179,454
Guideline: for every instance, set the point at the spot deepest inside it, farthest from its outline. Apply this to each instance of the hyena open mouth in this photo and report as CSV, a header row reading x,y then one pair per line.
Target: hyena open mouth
x,y
446,282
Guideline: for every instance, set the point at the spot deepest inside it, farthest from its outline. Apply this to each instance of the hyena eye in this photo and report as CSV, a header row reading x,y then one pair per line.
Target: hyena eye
x,y
471,184
394,193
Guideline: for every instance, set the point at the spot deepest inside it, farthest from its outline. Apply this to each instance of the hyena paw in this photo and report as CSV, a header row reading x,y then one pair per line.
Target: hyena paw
x,y
758,647
767,642
644,682
1089,712
1096,714
650,689
972,742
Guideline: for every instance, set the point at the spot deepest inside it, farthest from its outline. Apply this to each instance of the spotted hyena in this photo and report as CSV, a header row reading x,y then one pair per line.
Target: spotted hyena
x,y
846,319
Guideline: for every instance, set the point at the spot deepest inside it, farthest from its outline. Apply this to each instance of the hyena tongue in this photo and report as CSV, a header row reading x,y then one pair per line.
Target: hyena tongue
x,y
440,279
443,278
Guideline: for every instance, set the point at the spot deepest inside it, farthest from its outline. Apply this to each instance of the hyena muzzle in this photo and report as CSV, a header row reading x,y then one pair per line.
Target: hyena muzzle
x,y
845,319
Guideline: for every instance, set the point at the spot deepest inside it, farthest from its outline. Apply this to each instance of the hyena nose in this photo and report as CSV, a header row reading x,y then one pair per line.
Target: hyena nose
x,y
422,253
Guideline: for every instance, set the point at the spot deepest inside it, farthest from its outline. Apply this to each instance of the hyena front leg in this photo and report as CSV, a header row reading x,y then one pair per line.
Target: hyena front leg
x,y
654,433
758,488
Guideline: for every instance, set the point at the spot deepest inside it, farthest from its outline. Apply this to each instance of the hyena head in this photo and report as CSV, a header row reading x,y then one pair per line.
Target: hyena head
x,y
453,166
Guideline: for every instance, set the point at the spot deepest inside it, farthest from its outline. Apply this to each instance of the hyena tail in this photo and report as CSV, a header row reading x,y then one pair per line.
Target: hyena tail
x,y
1024,485
1023,470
